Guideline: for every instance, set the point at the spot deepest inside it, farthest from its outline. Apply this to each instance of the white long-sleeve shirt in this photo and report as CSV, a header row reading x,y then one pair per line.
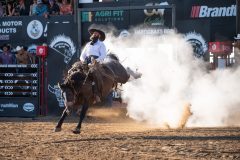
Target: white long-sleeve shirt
x,y
98,49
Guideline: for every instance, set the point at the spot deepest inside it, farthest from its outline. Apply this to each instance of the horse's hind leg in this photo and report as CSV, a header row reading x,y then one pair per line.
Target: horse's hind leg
x,y
60,122
82,115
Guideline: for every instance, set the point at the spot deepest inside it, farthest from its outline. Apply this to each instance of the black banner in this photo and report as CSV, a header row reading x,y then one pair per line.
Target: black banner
x,y
62,52
28,30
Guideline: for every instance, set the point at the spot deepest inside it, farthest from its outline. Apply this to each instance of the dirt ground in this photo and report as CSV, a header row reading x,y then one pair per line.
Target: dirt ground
x,y
116,138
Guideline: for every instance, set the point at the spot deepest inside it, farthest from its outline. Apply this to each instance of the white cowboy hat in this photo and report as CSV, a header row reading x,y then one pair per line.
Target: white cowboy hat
x,y
238,36
18,48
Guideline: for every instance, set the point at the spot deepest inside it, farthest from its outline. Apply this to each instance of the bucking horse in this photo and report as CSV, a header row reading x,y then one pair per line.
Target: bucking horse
x,y
77,86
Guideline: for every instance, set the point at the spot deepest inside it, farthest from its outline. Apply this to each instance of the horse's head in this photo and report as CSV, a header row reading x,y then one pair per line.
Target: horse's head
x,y
72,88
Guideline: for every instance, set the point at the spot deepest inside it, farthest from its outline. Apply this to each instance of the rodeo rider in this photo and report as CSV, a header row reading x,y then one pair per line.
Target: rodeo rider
x,y
94,52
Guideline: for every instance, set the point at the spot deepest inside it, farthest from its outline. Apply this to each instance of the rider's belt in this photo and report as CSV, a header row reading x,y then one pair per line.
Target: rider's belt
x,y
88,58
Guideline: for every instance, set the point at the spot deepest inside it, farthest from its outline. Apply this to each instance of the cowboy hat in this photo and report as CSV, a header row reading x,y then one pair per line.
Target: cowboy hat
x,y
102,34
238,37
18,48
5,45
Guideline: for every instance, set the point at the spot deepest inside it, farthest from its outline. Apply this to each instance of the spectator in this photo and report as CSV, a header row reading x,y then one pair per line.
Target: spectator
x,y
21,9
7,57
236,46
66,8
23,56
10,10
33,7
41,9
1,10
53,8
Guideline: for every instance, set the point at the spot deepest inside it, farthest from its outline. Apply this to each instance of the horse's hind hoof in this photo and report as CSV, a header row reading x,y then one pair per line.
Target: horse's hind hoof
x,y
76,131
57,129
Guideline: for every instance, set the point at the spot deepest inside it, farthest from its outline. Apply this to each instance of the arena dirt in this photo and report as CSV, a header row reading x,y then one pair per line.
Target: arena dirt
x,y
111,135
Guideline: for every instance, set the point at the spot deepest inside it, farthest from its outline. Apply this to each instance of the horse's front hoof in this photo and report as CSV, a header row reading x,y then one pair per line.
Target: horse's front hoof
x,y
76,131
57,129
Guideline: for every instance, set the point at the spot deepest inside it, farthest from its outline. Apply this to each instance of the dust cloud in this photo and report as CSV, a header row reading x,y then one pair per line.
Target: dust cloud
x,y
176,89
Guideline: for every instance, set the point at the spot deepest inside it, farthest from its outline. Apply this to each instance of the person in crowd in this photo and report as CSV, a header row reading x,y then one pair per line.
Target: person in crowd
x,y
94,51
236,46
23,56
41,9
10,10
7,57
66,8
33,7
21,8
53,8
1,10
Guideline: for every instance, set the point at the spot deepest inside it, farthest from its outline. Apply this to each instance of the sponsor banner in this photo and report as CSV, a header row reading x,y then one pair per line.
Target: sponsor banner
x,y
19,107
221,14
205,11
62,53
211,8
28,29
122,20
117,19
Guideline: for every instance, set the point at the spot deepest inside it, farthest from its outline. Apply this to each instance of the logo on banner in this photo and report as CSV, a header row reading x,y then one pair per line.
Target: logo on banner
x,y
28,107
198,43
57,92
87,16
35,29
63,45
123,34
154,16
32,49
109,16
205,11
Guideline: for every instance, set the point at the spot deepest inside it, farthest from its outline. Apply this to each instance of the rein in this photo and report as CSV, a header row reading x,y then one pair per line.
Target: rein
x,y
86,77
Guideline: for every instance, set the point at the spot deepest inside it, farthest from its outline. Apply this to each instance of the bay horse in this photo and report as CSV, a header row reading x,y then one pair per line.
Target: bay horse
x,y
77,86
